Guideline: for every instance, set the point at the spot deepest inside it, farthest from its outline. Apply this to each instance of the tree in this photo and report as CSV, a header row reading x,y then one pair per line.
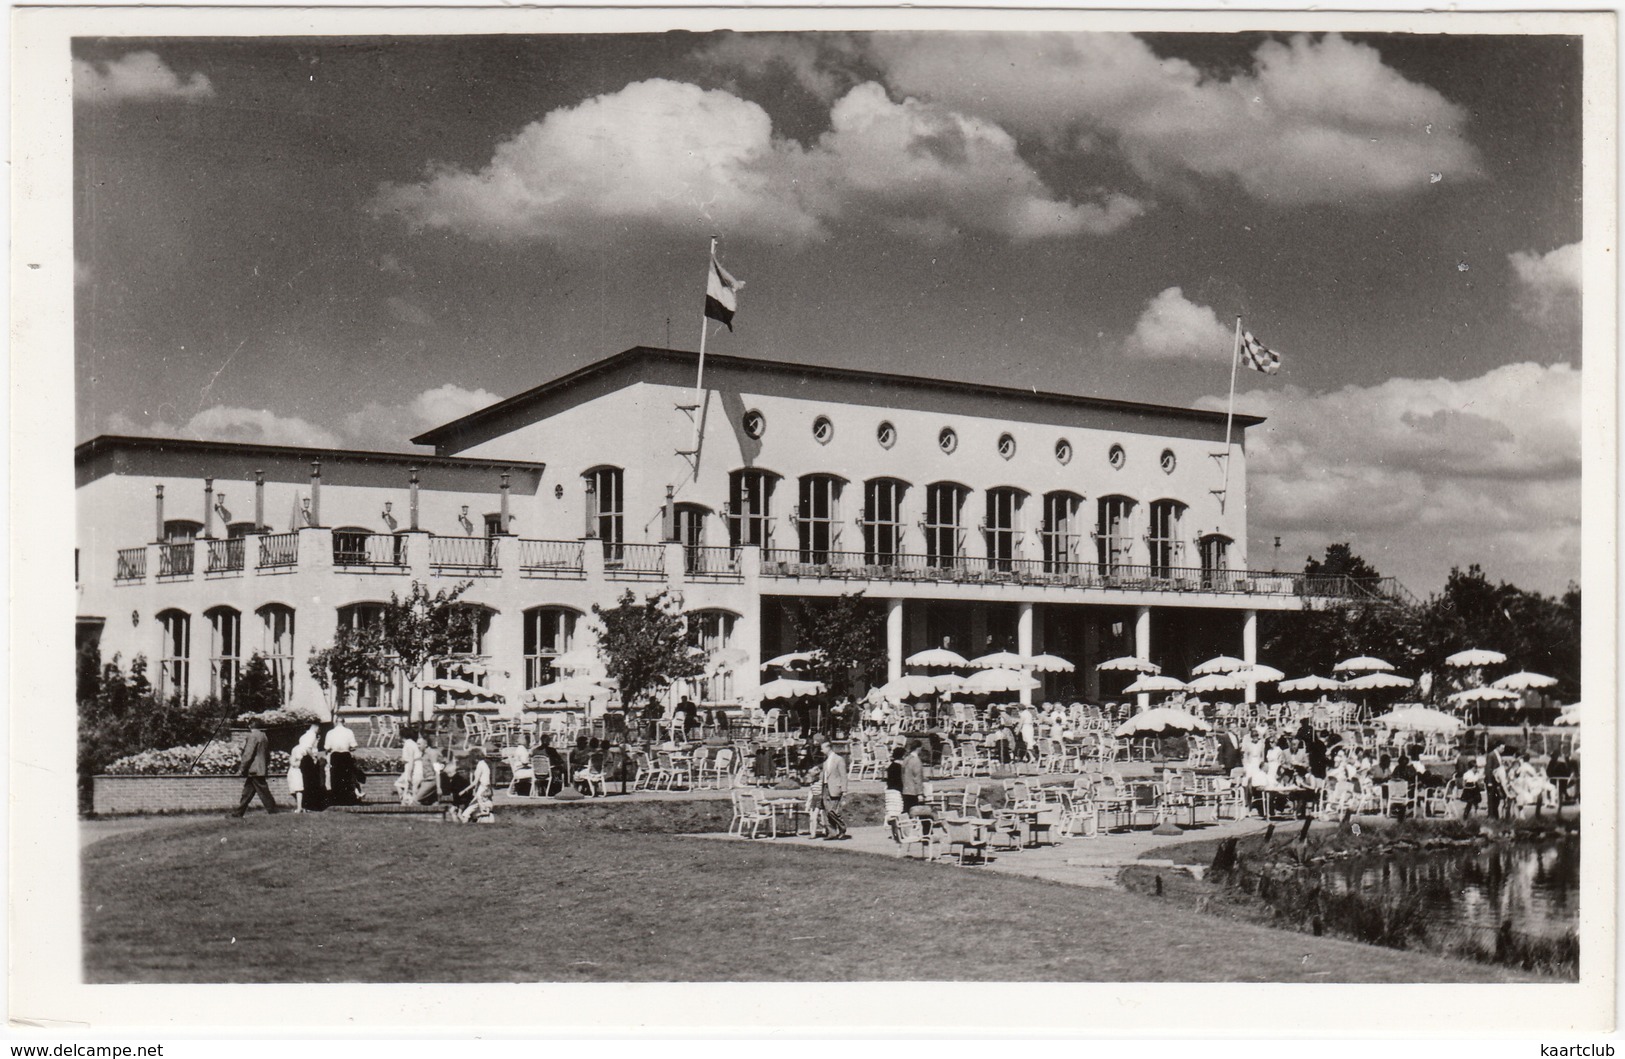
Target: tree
x,y
257,689
89,671
355,657
1340,561
848,638
645,645
421,628
1319,635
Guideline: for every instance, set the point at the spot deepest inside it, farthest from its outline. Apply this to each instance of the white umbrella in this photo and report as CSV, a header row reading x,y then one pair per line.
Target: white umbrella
x,y
1259,673
466,666
1218,682
1001,660
1161,720
909,687
996,681
1475,656
1419,719
937,656
794,658
1051,664
453,686
1312,683
1362,664
1219,664
1483,695
785,688
1570,715
568,691
1154,683
1128,664
1372,681
1524,681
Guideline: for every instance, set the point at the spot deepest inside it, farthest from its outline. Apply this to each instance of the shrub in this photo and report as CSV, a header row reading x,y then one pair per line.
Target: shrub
x,y
272,718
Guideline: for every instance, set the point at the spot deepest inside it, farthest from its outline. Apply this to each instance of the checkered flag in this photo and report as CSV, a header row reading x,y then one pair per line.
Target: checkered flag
x,y
1257,356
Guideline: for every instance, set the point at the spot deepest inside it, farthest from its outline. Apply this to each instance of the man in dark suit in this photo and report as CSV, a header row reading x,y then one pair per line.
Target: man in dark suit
x,y
1229,752
252,765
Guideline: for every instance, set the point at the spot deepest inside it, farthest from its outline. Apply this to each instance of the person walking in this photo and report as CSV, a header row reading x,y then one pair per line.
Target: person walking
x,y
834,789
913,777
253,763
340,745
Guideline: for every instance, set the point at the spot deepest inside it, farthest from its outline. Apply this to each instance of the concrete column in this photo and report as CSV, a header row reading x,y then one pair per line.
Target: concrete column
x,y
748,629
1142,644
315,620
1024,639
158,514
1249,647
676,566
316,492
894,639
208,507
417,553
259,502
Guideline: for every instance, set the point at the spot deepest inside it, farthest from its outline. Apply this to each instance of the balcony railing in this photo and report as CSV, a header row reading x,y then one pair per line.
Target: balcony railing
x,y
225,557
132,564
466,554
369,550
714,563
176,560
279,551
551,558
634,561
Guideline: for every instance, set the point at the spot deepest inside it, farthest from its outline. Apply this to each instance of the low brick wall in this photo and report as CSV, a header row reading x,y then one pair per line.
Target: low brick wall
x,y
115,795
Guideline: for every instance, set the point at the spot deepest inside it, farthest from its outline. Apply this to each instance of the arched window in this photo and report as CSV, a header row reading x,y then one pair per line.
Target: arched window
x,y
1001,526
181,530
549,633
1113,543
1215,549
713,632
1061,531
944,535
276,644
606,509
372,695
1165,541
818,515
175,654
750,508
225,651
883,520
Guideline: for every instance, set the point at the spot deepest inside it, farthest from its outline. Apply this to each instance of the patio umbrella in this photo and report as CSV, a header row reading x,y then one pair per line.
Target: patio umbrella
x,y
1483,695
1128,664
996,681
568,691
909,687
1524,681
1051,664
1312,683
791,660
937,656
1219,664
1372,681
1362,664
1152,684
1218,682
1570,715
1259,673
453,686
785,688
1475,656
1420,719
1162,720
466,666
1001,660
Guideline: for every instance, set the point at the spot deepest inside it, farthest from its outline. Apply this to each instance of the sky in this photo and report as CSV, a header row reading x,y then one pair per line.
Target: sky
x,y
345,241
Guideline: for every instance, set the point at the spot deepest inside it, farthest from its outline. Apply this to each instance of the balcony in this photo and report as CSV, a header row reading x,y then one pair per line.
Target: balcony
x,y
552,559
634,562
369,551
706,563
473,556
279,551
224,558
132,566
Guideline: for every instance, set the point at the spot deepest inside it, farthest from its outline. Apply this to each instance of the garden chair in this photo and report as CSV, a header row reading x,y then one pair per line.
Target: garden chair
x,y
1397,795
751,811
1145,801
1437,801
720,768
542,768
922,839
966,837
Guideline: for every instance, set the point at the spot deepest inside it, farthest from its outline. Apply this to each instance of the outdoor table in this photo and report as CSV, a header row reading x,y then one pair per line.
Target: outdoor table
x,y
1024,820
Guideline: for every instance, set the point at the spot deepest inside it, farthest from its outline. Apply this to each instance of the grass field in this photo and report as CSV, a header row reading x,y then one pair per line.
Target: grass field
x,y
322,898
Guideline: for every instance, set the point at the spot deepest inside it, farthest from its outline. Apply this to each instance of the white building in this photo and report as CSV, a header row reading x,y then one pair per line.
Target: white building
x,y
979,515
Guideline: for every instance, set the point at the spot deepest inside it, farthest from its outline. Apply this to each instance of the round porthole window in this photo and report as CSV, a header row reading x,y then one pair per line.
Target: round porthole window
x,y
823,430
1007,446
1167,461
886,435
947,441
755,424
1117,456
1063,451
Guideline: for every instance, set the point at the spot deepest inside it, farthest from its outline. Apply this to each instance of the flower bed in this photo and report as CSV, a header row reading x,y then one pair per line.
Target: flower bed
x,y
275,718
220,759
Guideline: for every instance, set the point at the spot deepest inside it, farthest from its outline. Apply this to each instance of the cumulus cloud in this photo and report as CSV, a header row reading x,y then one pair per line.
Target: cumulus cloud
x,y
1311,121
1426,473
822,65
392,426
226,423
1547,286
668,154
1174,327
140,75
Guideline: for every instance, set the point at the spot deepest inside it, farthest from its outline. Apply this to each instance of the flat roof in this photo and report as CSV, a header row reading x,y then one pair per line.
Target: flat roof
x,y
636,363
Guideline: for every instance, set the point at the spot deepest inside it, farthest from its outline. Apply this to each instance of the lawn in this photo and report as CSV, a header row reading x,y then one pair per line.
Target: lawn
x,y
320,898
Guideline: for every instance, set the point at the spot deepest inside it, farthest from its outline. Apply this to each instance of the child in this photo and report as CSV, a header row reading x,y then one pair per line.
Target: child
x,y
1472,788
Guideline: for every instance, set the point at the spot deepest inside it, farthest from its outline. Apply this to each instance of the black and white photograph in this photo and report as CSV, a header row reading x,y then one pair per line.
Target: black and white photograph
x,y
1025,499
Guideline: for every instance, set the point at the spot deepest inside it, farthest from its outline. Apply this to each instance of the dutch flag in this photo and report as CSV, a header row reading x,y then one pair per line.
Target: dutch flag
x,y
721,294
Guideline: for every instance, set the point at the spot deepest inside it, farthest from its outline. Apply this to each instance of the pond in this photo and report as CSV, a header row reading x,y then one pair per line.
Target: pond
x,y
1469,893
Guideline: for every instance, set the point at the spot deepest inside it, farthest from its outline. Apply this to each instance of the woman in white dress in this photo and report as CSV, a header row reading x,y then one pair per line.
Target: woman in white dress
x,y
296,767
411,768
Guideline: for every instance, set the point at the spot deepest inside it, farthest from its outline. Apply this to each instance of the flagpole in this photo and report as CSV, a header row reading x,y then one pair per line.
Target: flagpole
x,y
699,379
1230,413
